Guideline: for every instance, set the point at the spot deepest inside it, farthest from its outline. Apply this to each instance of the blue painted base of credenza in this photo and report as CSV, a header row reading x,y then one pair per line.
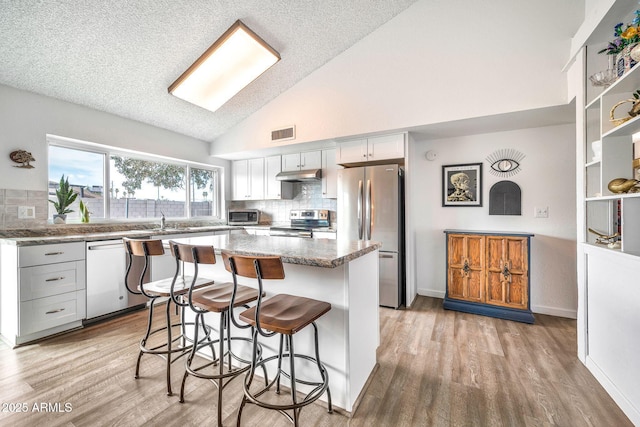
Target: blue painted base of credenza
x,y
524,316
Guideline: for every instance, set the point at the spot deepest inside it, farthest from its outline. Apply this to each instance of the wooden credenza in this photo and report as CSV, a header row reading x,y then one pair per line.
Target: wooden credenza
x,y
488,274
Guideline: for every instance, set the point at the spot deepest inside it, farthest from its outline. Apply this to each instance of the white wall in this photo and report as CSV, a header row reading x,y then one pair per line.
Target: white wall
x,y
26,118
437,61
547,179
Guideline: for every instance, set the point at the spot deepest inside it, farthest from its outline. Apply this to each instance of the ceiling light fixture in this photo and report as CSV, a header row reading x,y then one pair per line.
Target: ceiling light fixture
x,y
236,59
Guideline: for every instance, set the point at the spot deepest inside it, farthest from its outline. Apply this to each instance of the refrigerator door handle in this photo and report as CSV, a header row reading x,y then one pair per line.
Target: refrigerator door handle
x,y
368,207
360,219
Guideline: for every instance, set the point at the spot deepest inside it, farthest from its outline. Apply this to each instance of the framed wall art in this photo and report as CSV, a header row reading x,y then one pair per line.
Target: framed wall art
x,y
462,185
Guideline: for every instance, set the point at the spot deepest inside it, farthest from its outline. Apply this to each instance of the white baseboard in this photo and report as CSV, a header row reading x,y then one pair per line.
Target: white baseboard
x,y
621,400
431,293
555,311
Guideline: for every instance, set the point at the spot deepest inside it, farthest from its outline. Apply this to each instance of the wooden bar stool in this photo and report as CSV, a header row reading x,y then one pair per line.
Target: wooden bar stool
x,y
219,299
284,315
158,292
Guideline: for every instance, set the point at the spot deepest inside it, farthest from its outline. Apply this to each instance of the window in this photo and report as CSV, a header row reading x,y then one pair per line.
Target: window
x,y
203,191
118,185
146,189
85,172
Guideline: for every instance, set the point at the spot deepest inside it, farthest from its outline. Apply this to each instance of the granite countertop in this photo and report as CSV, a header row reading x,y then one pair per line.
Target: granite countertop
x,y
89,233
313,252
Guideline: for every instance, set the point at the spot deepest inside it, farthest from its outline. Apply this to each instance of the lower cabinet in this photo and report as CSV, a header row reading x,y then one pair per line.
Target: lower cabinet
x,y
42,290
488,274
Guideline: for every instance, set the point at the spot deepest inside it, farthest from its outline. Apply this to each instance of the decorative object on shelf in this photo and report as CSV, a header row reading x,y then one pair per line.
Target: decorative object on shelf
x,y
636,168
596,147
462,185
604,239
621,185
65,197
604,78
505,198
624,61
84,212
23,157
624,42
505,162
634,111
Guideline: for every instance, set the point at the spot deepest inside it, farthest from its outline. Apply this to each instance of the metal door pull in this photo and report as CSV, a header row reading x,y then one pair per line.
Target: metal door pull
x,y
53,279
55,311
54,253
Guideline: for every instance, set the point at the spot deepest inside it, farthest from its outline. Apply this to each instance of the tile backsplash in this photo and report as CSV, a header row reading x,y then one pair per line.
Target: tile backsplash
x,y
307,195
11,200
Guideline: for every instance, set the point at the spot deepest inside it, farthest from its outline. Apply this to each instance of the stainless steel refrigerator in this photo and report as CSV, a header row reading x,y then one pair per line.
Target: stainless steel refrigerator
x,y
371,207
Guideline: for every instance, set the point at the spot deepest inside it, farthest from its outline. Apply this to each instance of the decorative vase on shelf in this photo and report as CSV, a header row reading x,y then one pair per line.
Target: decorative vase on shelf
x,y
59,218
624,60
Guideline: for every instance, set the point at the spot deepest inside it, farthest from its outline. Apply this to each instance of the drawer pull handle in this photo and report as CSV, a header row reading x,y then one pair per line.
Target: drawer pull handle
x,y
54,253
54,279
385,256
55,311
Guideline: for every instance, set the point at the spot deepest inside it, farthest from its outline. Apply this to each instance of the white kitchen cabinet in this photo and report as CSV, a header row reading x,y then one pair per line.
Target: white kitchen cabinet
x,y
301,161
42,290
275,189
373,149
248,179
329,174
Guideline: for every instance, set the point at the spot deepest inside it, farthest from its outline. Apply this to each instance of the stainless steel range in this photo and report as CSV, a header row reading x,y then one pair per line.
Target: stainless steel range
x,y
303,222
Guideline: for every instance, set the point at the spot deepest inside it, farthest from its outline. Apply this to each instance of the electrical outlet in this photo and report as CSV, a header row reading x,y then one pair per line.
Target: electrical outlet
x,y
541,212
26,212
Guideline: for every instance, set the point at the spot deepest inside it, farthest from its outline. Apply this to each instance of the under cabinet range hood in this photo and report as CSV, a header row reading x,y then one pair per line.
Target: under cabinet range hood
x,y
300,176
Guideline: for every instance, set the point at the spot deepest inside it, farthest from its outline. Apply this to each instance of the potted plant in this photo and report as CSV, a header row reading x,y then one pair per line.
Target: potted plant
x,y
65,197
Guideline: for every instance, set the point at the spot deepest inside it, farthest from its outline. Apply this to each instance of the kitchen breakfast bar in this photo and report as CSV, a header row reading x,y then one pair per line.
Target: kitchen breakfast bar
x,y
342,273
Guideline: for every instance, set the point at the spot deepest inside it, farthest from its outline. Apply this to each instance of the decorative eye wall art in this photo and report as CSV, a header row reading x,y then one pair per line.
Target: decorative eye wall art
x,y
505,162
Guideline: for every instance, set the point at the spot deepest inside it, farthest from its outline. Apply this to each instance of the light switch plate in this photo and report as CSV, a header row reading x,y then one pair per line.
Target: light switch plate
x,y
541,212
26,212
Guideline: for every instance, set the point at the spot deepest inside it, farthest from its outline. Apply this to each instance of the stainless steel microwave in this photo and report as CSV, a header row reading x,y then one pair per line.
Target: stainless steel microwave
x,y
243,216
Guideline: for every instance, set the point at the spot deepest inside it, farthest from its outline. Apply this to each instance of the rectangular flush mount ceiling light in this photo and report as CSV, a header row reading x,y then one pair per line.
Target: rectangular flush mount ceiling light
x,y
236,59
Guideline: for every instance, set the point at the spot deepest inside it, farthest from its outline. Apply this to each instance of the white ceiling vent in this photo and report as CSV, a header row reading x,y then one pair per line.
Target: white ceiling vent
x,y
283,134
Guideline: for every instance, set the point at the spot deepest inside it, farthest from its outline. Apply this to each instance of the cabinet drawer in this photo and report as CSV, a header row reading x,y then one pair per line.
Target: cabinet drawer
x,y
45,313
52,279
49,254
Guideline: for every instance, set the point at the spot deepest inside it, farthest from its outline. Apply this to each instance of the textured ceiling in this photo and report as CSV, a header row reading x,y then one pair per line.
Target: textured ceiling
x,y
121,56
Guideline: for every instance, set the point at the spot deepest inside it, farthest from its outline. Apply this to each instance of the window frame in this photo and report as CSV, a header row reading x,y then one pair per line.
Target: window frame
x,y
108,151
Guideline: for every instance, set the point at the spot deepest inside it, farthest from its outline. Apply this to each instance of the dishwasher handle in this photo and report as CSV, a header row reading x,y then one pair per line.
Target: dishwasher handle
x,y
105,247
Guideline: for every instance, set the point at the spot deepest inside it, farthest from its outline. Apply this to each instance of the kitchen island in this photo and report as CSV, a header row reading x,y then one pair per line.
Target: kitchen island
x,y
342,273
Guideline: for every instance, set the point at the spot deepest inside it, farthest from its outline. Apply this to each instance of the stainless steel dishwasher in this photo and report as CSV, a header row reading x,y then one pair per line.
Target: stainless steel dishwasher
x,y
106,291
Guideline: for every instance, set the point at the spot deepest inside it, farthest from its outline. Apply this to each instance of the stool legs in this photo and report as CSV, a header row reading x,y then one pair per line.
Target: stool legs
x,y
296,406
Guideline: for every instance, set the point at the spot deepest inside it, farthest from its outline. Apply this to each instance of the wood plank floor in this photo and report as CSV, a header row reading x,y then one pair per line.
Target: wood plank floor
x,y
437,368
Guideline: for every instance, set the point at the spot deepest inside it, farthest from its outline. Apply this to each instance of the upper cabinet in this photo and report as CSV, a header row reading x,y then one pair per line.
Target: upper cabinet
x,y
248,179
329,174
275,189
374,149
301,161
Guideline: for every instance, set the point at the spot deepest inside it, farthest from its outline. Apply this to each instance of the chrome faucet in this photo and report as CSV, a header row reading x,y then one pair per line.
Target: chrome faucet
x,y
162,221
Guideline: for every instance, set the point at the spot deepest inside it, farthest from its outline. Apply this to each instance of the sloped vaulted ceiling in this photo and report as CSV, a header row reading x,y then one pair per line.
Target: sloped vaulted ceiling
x,y
120,57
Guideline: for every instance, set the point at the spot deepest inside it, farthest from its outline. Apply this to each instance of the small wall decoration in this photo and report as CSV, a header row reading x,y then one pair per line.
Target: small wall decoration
x,y
505,162
23,157
505,198
462,185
